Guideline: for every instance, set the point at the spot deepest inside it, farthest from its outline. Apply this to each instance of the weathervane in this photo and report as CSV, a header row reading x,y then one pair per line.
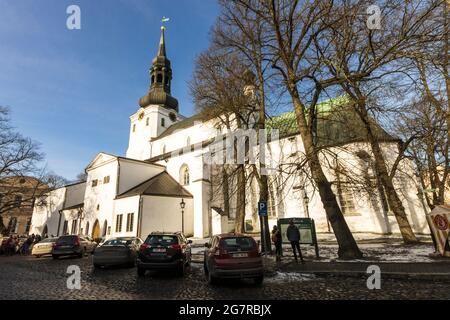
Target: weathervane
x,y
163,20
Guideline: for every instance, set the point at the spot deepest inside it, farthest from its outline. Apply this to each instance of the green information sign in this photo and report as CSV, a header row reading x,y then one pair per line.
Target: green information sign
x,y
307,231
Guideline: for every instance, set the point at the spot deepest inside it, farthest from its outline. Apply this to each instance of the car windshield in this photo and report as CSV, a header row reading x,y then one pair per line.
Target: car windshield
x,y
238,244
161,240
118,242
66,240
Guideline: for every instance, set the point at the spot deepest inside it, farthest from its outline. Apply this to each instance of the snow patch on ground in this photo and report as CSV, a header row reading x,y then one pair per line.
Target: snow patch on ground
x,y
289,277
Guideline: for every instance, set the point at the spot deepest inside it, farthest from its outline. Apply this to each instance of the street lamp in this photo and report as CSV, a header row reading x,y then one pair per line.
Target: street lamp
x,y
182,206
306,202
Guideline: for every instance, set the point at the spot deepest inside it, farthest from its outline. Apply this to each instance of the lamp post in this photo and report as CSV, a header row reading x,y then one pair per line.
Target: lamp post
x,y
182,206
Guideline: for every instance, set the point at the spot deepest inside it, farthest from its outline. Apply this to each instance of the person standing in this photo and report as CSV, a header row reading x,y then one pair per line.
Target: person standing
x,y
276,239
293,235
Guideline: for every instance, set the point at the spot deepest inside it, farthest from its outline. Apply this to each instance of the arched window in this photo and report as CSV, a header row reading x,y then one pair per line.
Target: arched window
x,y
147,122
87,228
159,78
153,79
105,228
184,175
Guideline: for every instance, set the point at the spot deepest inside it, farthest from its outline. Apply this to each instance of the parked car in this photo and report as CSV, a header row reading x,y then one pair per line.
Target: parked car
x,y
233,256
117,251
71,245
43,247
164,251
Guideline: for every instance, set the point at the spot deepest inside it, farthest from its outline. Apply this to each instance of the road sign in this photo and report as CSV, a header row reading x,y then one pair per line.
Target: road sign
x,y
307,230
262,209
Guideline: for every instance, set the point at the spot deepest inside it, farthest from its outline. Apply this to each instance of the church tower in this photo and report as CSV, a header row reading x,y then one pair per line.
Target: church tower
x,y
158,109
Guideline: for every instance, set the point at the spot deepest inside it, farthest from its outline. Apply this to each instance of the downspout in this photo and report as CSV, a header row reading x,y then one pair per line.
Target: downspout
x,y
59,222
139,224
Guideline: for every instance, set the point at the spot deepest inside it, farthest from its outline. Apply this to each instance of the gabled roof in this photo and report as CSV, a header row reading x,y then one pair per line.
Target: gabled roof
x,y
160,185
104,157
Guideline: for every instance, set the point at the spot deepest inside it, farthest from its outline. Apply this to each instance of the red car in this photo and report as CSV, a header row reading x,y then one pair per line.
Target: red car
x,y
233,256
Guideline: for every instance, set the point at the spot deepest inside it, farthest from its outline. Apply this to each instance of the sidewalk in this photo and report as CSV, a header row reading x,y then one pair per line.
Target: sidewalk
x,y
395,259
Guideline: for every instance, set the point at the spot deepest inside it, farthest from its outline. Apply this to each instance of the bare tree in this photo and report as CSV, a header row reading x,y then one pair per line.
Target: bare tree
x,y
218,88
365,60
293,27
23,181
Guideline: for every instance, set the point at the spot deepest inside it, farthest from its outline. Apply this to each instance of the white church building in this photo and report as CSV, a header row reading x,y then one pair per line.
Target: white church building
x,y
164,182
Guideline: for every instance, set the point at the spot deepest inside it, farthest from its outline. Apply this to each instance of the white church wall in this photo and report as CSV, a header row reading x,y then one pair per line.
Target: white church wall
x,y
123,207
48,214
164,214
99,200
144,125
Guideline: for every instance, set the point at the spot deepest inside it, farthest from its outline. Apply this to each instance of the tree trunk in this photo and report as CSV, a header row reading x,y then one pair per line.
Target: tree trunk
x,y
239,226
381,170
348,249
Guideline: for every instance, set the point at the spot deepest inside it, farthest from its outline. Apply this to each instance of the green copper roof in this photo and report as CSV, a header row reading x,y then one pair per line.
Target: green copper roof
x,y
337,124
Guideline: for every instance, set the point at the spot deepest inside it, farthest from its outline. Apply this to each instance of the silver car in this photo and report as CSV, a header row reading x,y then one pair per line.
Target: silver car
x,y
43,247
117,251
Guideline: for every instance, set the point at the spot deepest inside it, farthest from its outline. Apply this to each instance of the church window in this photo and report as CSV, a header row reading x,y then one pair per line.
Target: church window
x,y
134,128
188,141
65,227
106,179
163,122
119,222
130,221
159,78
147,122
153,79
184,175
346,199
98,207
94,183
74,227
87,228
167,81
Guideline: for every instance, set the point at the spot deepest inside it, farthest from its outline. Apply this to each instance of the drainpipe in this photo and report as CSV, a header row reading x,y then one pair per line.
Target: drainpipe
x,y
59,222
139,224
118,177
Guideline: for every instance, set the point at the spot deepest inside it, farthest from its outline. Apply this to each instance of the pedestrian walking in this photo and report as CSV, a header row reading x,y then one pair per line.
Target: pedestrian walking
x,y
276,239
293,235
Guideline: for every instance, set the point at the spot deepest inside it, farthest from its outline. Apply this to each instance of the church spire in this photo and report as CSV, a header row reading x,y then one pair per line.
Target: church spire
x,y
160,80
162,44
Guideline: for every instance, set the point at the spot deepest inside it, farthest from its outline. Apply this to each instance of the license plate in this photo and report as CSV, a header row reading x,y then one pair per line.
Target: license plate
x,y
240,255
159,250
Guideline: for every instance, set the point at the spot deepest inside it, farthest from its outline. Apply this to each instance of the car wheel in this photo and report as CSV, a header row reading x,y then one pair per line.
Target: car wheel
x,y
140,272
258,280
55,257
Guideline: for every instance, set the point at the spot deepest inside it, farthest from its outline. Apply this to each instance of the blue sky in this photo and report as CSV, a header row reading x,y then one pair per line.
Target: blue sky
x,y
73,90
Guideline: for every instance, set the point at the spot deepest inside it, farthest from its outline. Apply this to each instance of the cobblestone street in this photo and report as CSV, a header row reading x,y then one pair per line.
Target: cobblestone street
x,y
44,278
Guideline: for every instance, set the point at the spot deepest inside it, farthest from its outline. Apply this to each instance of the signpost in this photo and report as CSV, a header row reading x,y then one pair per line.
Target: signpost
x,y
307,230
262,212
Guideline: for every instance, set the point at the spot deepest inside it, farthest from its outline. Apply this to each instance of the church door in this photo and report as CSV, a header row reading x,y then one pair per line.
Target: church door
x,y
96,230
